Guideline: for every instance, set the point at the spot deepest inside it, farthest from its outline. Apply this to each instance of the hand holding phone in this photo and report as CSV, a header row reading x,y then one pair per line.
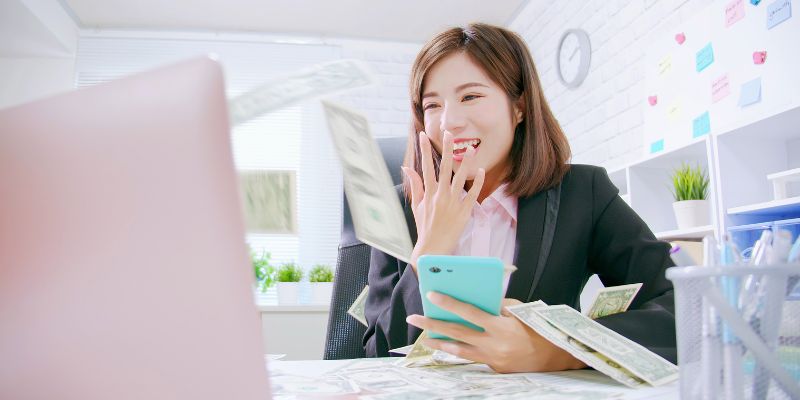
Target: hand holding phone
x,y
474,280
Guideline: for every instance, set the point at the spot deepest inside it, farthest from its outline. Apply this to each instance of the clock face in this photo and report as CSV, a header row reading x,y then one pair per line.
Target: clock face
x,y
570,57
573,57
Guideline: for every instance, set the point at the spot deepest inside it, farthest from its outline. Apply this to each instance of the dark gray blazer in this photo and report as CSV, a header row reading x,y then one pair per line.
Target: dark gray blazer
x,y
591,231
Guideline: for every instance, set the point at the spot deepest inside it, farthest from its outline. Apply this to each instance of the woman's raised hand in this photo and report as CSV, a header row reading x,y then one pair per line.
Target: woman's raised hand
x,y
439,211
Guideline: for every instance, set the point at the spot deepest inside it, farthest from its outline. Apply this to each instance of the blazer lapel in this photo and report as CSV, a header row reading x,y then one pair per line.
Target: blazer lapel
x,y
530,226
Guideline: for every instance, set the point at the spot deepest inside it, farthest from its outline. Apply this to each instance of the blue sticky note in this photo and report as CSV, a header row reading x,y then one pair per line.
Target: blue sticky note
x,y
755,2
657,146
750,93
704,57
778,11
701,125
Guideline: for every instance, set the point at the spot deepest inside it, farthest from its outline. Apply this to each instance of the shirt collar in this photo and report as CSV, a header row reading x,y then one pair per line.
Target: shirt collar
x,y
508,203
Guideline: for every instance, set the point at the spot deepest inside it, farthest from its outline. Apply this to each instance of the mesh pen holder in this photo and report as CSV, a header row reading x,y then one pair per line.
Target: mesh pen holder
x,y
738,331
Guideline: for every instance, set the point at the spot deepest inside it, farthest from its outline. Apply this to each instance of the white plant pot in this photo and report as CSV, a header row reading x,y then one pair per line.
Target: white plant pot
x,y
287,292
692,213
321,292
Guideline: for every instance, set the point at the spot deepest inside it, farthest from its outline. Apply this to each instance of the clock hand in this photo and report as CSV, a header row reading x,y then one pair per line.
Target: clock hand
x,y
573,53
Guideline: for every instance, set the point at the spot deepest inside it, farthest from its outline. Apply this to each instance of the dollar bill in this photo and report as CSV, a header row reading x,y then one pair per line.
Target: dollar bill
x,y
527,313
356,310
613,300
322,79
419,353
378,217
628,354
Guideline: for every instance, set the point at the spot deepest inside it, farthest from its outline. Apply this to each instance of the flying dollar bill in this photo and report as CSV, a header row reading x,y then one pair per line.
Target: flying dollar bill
x,y
377,214
613,300
319,80
356,310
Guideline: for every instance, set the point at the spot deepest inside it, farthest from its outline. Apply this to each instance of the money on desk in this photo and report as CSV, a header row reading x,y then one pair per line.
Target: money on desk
x,y
378,216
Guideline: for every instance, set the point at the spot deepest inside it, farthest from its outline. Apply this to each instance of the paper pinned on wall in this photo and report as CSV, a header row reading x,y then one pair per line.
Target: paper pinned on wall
x,y
704,57
777,12
720,88
674,112
734,11
701,125
750,93
665,65
657,146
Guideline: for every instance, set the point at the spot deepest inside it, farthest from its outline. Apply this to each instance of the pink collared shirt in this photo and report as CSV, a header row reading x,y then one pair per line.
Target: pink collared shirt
x,y
492,228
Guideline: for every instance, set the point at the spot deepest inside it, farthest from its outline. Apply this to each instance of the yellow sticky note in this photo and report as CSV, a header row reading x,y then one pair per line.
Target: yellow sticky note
x,y
674,112
665,65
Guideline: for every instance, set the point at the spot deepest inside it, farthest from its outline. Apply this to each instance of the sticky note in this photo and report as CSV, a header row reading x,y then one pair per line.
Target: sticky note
x,y
657,146
734,12
720,88
759,57
653,100
750,93
777,12
704,57
755,2
674,112
665,65
701,125
680,38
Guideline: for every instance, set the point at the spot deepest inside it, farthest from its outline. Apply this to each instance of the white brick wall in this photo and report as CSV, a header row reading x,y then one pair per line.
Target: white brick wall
x,y
603,118
386,105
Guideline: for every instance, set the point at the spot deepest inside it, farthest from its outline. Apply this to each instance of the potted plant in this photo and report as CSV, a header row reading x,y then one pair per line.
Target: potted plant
x,y
690,188
321,278
264,271
288,277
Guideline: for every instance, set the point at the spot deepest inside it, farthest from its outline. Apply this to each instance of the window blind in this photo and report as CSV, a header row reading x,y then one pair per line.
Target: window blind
x,y
294,138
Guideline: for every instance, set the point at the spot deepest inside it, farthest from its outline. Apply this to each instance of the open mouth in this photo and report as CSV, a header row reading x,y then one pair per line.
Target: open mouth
x,y
461,147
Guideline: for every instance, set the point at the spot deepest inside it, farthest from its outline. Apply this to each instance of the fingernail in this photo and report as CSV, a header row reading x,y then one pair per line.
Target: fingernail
x,y
470,151
433,296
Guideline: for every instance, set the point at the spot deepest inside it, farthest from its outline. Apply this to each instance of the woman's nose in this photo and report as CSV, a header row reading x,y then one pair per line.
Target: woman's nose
x,y
452,119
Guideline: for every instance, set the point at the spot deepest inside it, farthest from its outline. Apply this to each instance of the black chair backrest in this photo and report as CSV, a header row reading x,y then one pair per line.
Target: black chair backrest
x,y
345,333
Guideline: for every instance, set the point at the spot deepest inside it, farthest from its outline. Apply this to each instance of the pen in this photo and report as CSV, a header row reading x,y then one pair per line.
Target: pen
x,y
732,370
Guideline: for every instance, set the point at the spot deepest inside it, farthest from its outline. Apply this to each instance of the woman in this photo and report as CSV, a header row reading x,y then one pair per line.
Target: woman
x,y
486,174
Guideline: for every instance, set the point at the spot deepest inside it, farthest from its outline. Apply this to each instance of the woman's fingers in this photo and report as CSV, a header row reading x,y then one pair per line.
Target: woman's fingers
x,y
461,176
475,190
463,350
428,173
450,329
464,310
446,167
416,188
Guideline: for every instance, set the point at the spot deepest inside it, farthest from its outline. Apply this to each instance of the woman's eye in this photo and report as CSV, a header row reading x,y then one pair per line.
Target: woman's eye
x,y
429,106
470,97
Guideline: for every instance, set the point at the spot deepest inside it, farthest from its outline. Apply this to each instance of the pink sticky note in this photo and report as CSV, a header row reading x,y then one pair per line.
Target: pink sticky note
x,y
734,11
759,57
720,88
653,100
680,38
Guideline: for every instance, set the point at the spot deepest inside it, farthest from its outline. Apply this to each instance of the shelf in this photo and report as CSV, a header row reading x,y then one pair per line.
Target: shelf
x,y
691,233
790,205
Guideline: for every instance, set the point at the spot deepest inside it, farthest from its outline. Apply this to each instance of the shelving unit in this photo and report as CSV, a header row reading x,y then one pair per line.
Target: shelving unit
x,y
737,161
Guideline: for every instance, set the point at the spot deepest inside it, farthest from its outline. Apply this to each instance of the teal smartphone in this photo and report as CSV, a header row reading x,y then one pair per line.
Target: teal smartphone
x,y
474,280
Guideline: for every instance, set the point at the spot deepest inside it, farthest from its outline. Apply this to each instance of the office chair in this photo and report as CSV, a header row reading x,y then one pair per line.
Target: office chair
x,y
345,333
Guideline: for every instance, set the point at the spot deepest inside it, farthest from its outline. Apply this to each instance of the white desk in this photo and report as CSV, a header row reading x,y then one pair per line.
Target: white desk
x,y
364,378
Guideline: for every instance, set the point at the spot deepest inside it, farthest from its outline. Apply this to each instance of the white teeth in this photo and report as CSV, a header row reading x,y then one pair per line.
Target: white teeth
x,y
465,144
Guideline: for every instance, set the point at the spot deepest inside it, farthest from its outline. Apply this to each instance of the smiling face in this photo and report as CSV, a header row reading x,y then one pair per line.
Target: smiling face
x,y
459,97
